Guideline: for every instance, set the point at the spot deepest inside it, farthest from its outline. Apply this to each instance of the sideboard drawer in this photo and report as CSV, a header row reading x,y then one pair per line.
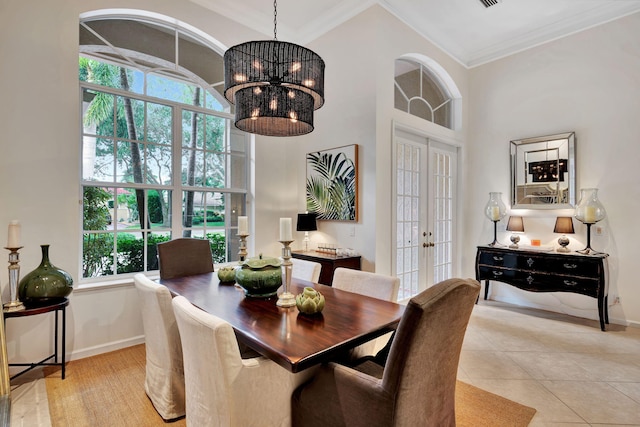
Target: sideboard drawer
x,y
541,282
497,259
575,266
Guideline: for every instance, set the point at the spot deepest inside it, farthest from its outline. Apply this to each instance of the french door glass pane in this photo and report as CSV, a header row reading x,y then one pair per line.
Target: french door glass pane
x,y
408,218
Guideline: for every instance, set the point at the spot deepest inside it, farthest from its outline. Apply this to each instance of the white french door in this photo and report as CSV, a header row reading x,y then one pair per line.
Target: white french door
x,y
425,185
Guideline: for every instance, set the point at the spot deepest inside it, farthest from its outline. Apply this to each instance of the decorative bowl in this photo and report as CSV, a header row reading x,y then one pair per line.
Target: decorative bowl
x,y
227,274
260,277
310,301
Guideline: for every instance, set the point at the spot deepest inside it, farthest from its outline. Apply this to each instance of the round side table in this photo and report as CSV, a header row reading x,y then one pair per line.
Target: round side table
x,y
57,307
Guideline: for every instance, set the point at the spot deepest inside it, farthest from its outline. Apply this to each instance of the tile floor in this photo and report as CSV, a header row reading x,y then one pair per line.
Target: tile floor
x,y
565,367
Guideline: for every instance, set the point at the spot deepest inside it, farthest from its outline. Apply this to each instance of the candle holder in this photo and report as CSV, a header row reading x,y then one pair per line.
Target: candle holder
x,y
242,252
589,211
495,210
286,298
14,275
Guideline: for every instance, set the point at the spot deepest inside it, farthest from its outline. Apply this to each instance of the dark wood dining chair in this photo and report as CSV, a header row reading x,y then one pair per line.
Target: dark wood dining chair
x,y
417,385
184,257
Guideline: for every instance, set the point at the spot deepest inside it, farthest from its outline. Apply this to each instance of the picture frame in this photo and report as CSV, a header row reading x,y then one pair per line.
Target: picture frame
x,y
332,183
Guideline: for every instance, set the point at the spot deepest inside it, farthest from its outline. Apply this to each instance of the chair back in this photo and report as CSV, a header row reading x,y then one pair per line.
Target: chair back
x,y
184,257
222,389
164,378
366,283
212,361
306,270
423,360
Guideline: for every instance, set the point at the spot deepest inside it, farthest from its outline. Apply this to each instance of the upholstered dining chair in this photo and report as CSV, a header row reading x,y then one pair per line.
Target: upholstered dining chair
x,y
305,270
370,284
366,283
416,387
222,389
184,257
164,377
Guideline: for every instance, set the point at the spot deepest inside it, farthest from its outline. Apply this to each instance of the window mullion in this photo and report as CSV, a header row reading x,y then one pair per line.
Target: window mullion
x,y
176,174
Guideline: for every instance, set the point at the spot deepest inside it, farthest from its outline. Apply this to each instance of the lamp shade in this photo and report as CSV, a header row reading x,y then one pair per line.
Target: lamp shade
x,y
564,225
274,111
306,222
515,223
275,85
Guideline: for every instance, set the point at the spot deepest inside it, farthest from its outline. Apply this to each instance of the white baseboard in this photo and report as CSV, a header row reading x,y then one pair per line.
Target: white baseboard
x,y
104,348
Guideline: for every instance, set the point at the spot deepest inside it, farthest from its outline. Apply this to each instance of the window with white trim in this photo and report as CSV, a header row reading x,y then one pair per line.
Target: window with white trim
x,y
419,92
160,157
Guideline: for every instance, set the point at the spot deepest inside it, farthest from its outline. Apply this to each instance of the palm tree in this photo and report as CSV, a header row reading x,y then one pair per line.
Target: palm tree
x,y
101,109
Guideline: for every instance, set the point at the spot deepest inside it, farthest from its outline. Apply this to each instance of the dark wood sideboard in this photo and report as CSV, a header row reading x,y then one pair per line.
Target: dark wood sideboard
x,y
546,271
329,263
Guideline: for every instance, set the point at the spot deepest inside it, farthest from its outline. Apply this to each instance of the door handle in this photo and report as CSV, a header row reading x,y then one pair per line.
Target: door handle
x,y
428,244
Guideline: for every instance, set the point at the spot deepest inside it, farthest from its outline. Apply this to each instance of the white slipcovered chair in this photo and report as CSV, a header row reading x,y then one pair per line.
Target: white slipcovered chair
x,y
366,283
306,270
222,389
164,377
373,285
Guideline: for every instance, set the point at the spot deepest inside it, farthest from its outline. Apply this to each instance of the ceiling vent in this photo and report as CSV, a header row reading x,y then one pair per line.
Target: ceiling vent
x,y
489,3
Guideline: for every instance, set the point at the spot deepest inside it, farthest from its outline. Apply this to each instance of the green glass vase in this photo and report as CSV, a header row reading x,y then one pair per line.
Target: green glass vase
x,y
45,285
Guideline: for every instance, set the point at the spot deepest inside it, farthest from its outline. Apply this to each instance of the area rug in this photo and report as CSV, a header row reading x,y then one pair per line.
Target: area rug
x,y
108,390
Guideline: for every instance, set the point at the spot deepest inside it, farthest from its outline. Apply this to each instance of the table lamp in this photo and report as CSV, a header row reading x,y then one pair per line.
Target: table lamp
x,y
306,223
564,225
515,224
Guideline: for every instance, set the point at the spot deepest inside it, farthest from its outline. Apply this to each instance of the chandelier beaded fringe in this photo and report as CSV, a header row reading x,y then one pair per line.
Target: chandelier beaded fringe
x,y
275,85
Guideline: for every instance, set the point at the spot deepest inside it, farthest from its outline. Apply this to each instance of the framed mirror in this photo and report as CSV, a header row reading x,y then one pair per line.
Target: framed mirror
x,y
543,172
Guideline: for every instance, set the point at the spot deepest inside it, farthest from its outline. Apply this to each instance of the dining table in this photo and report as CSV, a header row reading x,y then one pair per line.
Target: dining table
x,y
294,340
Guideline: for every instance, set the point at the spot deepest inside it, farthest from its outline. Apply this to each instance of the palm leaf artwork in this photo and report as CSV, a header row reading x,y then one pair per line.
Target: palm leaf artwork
x,y
331,184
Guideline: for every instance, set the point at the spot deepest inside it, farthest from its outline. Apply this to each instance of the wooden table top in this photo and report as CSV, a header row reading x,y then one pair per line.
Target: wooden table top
x,y
293,340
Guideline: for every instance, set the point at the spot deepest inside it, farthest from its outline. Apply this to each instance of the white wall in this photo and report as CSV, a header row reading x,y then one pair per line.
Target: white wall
x,y
360,57
588,83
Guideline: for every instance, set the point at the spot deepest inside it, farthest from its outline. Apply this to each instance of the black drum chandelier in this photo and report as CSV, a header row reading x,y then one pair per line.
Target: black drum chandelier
x,y
274,85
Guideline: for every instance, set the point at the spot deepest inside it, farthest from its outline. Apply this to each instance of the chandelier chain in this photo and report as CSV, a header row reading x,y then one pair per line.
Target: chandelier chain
x,y
275,19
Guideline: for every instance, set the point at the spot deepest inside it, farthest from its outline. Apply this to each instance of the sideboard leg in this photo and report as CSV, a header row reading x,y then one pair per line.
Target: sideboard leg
x,y
486,289
602,310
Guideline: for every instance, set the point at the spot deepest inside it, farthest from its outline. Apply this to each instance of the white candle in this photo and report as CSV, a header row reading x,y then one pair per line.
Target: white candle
x,y
590,214
286,234
14,234
243,225
495,213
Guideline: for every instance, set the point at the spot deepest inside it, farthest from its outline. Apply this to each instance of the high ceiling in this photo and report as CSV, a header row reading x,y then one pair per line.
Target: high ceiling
x,y
467,30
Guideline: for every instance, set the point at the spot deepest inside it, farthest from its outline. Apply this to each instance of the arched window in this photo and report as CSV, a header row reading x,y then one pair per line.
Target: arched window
x,y
423,89
160,157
